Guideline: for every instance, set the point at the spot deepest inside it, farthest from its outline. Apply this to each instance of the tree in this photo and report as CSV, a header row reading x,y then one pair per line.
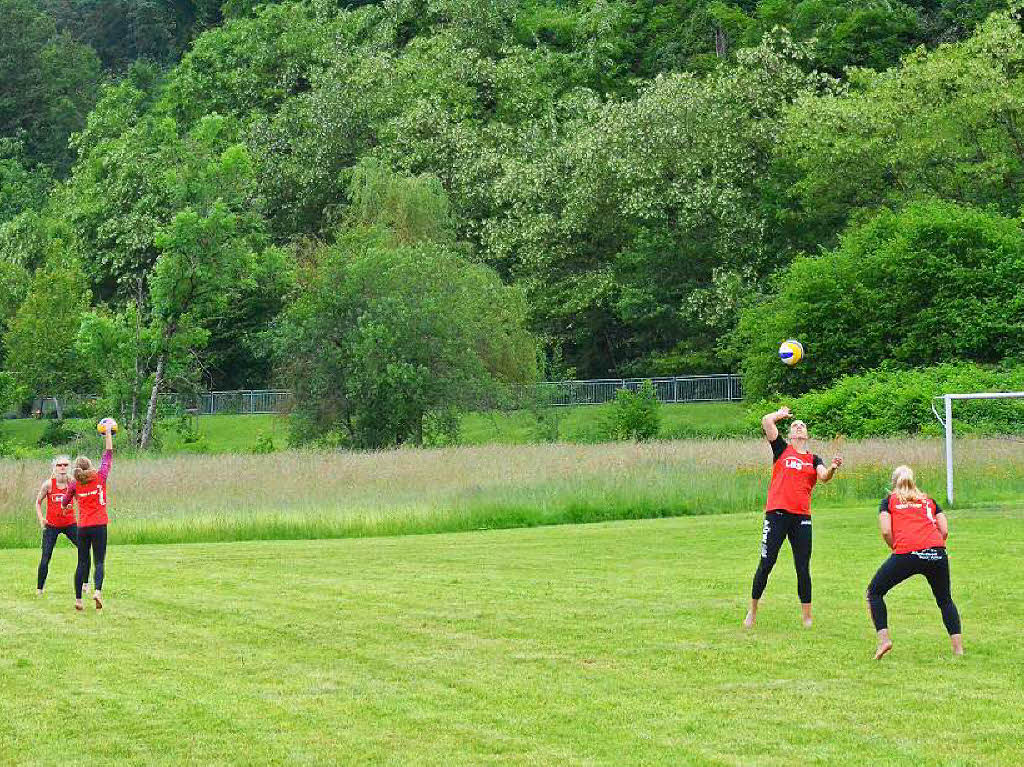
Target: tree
x,y
945,124
39,347
931,283
387,326
48,83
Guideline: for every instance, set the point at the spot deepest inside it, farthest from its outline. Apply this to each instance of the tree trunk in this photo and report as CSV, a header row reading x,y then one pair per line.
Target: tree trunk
x,y
721,43
137,388
56,406
147,429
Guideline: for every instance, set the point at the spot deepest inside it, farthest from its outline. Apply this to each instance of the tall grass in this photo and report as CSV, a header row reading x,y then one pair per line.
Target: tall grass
x,y
301,494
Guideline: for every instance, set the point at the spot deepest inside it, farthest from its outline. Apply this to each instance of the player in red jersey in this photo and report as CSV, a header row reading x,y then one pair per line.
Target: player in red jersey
x,y
90,487
57,520
795,471
914,527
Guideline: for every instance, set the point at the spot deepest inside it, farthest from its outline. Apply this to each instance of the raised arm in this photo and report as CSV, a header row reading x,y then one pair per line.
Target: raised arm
x,y
40,496
769,421
108,455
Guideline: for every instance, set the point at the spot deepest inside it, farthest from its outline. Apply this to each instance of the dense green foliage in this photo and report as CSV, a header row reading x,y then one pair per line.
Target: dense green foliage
x,y
932,283
642,173
892,402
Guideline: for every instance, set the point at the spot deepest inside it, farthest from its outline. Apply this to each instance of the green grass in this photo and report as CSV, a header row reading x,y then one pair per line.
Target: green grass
x,y
615,643
238,433
584,424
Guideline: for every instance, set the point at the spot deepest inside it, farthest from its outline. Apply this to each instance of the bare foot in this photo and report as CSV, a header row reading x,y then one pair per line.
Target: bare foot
x,y
99,600
78,604
808,623
957,641
748,622
883,648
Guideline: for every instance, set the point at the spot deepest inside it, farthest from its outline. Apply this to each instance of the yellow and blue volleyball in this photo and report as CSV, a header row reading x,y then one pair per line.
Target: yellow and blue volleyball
x,y
791,352
107,423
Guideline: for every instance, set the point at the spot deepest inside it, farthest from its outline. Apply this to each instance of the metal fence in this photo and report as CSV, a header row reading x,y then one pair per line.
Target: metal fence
x,y
724,387
242,402
707,388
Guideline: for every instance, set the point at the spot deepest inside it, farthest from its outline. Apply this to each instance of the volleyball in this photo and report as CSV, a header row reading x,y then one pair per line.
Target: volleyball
x,y
106,423
791,352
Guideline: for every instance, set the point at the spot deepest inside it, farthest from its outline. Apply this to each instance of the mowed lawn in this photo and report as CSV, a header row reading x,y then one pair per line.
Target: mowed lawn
x,y
615,643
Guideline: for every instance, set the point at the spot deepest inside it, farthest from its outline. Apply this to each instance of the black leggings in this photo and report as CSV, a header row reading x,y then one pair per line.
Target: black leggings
x,y
779,525
95,539
50,536
933,564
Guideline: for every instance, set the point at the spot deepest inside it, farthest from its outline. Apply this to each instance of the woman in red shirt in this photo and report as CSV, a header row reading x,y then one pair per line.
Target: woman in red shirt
x,y
57,520
914,527
90,487
795,471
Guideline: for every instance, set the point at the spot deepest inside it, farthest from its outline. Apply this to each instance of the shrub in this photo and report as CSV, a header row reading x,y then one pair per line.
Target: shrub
x,y
57,432
636,415
890,402
441,428
264,444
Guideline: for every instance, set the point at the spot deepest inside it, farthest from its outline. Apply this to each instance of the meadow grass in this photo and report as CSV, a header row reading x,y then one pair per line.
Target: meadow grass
x,y
306,494
607,644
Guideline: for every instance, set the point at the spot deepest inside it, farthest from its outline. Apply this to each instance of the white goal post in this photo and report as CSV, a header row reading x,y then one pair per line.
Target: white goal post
x,y
947,424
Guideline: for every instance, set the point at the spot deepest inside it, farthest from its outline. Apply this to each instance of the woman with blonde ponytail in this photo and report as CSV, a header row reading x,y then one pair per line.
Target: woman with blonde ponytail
x,y
90,487
915,529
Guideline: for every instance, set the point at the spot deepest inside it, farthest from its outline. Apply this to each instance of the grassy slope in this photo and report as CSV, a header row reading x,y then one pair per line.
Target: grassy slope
x,y
238,433
602,644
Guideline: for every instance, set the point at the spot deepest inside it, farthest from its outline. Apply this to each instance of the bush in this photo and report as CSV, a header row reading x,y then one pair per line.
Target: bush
x,y
932,283
889,402
264,444
636,415
441,428
57,432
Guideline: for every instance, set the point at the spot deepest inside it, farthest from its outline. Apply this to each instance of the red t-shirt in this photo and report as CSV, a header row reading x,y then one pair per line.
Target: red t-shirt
x,y
56,514
793,477
92,503
92,496
913,524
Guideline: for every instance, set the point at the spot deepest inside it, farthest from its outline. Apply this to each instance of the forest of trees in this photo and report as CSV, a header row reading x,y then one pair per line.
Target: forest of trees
x,y
441,195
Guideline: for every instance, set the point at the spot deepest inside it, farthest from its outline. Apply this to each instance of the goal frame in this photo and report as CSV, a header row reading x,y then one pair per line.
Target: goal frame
x,y
947,424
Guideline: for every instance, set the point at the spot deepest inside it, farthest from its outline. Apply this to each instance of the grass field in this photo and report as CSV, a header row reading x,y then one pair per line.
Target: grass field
x,y
616,643
302,495
239,433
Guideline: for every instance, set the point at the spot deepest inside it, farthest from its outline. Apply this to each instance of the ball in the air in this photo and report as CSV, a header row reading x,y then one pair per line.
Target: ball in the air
x,y
107,423
791,352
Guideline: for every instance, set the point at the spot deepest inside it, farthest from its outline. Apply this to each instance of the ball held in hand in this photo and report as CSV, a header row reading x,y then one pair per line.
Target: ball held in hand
x,y
105,424
791,352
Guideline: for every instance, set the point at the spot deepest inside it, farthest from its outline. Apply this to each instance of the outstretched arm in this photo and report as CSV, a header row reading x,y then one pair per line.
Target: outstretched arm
x,y
826,475
768,422
108,455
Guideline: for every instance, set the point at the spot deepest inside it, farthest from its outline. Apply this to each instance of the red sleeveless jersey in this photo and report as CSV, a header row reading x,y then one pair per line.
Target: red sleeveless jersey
x,y
913,525
56,514
794,475
92,503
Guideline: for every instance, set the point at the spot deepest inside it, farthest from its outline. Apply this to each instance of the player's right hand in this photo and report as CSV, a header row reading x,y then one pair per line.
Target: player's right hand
x,y
784,412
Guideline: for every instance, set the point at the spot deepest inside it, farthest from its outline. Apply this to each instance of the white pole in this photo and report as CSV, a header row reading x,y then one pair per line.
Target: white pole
x,y
949,449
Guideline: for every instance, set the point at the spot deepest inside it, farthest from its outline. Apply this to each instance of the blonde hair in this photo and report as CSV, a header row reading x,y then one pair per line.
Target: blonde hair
x,y
84,472
53,465
903,485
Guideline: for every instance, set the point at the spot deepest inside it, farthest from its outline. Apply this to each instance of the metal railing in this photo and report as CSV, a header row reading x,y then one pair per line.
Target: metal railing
x,y
725,387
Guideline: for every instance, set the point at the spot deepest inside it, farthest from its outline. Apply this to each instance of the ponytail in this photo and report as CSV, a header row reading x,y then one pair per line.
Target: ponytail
x,y
903,485
84,472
